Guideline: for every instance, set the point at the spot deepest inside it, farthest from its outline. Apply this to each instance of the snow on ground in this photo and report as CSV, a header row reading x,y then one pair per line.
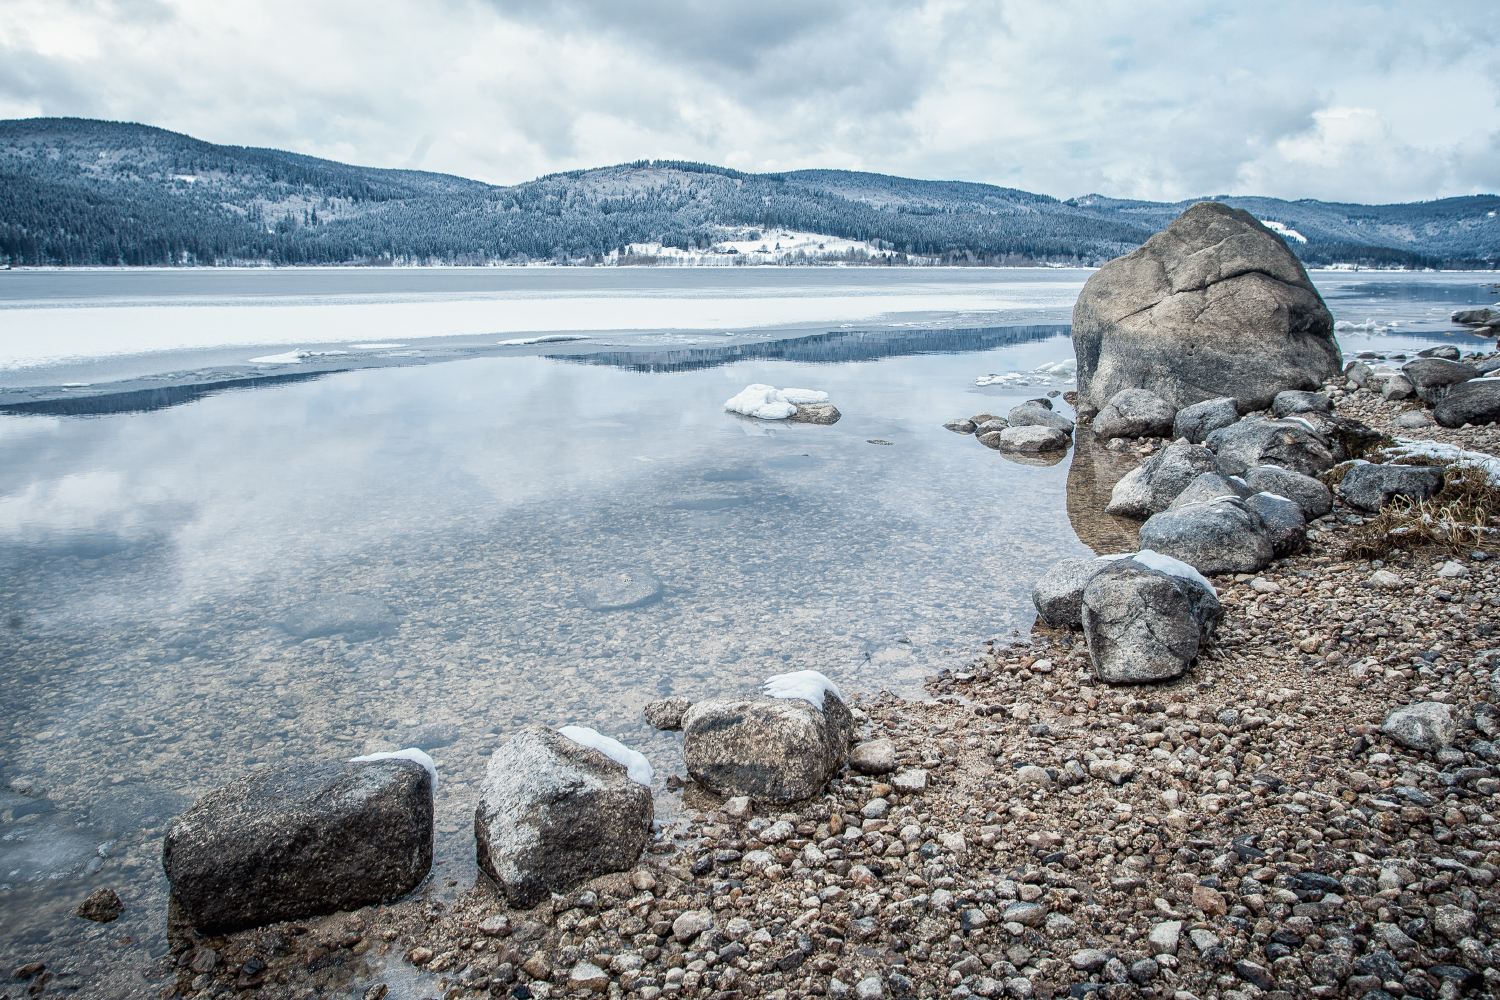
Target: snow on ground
x,y
635,763
1281,229
770,247
808,685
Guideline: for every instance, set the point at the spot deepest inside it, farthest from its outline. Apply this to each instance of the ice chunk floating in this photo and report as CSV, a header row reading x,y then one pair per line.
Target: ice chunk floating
x,y
770,403
808,685
635,763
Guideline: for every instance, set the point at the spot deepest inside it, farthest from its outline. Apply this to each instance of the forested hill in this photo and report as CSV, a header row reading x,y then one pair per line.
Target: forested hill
x,y
76,192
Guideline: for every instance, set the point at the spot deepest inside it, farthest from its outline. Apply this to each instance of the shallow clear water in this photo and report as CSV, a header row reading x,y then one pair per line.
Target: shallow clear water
x,y
150,561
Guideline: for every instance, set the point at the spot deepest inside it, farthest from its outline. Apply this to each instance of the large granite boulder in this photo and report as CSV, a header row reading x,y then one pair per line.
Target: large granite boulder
x,y
1474,402
1145,617
1310,494
1133,413
1198,421
1285,525
1434,377
1156,482
301,839
1371,487
1215,305
1224,536
554,813
772,749
1290,444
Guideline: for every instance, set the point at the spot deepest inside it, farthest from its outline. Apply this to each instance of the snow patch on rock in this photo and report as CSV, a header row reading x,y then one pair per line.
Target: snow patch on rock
x,y
635,763
808,685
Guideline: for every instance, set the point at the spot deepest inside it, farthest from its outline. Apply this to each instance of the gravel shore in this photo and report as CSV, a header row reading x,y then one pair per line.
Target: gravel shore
x,y
1243,831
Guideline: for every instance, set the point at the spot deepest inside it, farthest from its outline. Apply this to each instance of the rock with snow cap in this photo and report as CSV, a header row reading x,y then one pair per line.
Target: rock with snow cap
x,y
1207,487
554,813
1283,521
1145,617
783,747
300,839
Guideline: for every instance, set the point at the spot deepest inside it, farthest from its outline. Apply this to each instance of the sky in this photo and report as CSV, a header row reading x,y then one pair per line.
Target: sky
x,y
1156,99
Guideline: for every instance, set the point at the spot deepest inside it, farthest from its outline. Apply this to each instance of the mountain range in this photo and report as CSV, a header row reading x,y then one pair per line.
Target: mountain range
x,y
85,192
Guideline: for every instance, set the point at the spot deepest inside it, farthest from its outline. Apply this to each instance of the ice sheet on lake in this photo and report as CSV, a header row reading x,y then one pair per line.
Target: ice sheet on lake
x,y
1062,370
808,685
553,339
635,763
293,357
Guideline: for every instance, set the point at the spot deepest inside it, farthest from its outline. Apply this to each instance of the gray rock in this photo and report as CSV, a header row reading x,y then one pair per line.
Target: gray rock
x,y
815,413
1216,305
874,757
1025,914
1225,536
628,587
1432,377
1033,439
553,814
1397,387
1207,487
1455,923
1446,351
1413,420
1155,483
1164,937
1283,520
1033,414
1483,316
1088,959
354,617
1295,401
1423,725
962,425
1196,422
1290,444
1359,374
301,839
1058,595
993,424
1475,402
985,417
771,749
1142,624
1371,487
692,923
1133,413
667,713
1310,494
990,439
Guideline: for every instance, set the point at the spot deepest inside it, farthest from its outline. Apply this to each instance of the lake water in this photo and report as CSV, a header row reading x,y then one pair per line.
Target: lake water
x,y
150,562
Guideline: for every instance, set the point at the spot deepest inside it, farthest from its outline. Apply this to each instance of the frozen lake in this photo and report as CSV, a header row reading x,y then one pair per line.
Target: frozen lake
x,y
155,563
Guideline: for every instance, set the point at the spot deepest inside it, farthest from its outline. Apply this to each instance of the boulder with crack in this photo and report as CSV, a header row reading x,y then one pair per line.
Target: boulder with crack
x,y
1199,420
1155,483
1215,305
1223,536
1290,444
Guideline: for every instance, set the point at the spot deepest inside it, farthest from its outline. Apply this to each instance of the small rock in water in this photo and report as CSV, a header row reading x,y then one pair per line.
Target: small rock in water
x,y
1034,414
301,839
667,713
349,615
1033,439
102,906
629,587
961,425
815,413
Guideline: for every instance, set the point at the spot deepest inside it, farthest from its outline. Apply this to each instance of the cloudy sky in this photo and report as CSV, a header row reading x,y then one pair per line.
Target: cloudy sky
x,y
1369,102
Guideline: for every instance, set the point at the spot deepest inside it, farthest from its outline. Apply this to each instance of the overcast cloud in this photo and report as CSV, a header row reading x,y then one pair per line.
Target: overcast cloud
x,y
1142,99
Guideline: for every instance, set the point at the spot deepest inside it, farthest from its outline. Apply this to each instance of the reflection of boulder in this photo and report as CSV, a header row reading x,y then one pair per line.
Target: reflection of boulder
x,y
1039,459
1091,479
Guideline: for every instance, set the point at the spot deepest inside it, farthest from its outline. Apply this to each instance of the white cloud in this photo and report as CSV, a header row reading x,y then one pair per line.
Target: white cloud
x,y
1165,99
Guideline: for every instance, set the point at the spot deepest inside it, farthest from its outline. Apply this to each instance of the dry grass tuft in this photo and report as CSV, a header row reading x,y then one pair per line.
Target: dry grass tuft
x,y
1465,515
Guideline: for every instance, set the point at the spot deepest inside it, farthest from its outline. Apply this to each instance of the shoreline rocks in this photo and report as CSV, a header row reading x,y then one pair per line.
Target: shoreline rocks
x,y
770,749
1143,623
553,814
301,839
